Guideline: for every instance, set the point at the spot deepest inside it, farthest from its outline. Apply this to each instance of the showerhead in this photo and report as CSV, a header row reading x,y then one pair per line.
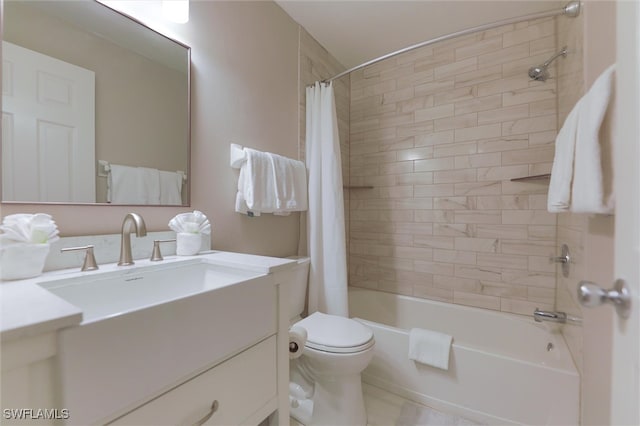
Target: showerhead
x,y
541,72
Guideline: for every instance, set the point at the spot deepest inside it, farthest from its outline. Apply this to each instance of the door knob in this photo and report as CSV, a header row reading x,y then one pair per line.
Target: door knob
x,y
591,295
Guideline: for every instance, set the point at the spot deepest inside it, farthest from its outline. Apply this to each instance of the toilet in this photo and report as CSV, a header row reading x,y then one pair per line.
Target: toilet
x,y
325,384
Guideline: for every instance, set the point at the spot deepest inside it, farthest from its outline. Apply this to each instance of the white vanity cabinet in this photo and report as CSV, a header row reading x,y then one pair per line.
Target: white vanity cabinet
x,y
244,389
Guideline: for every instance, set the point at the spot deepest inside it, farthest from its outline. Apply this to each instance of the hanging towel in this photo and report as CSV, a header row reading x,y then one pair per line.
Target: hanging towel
x,y
133,185
576,176
270,183
170,188
588,188
430,347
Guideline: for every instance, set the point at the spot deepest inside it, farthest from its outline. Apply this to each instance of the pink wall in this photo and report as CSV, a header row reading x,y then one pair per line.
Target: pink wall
x,y
244,90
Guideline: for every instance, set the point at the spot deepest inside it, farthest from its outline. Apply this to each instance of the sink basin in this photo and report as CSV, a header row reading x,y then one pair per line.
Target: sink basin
x,y
149,327
103,295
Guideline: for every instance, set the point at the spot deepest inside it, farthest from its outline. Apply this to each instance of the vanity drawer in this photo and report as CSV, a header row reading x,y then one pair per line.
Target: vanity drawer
x,y
241,385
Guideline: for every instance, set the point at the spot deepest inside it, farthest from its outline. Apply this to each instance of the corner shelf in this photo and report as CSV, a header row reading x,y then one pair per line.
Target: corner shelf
x,y
357,187
528,178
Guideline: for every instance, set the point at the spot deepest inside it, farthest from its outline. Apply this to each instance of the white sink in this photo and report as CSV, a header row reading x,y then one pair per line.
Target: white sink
x,y
107,294
149,327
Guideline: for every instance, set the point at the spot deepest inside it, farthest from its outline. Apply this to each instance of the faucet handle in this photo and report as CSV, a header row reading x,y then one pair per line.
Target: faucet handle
x,y
156,255
89,263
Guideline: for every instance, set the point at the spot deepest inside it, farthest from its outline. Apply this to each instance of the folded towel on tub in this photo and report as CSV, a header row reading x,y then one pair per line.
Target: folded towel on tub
x,y
430,347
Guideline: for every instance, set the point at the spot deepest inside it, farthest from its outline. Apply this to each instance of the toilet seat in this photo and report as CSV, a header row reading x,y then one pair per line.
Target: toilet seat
x,y
331,333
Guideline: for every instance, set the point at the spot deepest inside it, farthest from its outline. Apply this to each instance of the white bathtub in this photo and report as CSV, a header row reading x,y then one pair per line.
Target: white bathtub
x,y
500,371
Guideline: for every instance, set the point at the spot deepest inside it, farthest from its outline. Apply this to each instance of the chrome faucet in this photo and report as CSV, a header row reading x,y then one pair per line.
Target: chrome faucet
x,y
125,238
540,316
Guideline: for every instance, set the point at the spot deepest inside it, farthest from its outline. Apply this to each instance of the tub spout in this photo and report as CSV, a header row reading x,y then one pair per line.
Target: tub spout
x,y
540,316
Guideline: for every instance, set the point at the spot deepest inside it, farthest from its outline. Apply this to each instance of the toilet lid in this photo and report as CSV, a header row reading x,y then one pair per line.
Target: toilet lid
x,y
331,333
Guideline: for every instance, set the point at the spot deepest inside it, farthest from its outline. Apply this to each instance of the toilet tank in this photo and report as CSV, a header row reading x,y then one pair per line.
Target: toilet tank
x,y
296,280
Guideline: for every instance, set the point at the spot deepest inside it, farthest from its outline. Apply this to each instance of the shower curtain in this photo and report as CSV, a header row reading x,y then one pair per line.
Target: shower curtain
x,y
325,221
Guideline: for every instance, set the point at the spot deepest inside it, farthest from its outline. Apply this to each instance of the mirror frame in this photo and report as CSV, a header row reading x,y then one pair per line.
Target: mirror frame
x,y
187,188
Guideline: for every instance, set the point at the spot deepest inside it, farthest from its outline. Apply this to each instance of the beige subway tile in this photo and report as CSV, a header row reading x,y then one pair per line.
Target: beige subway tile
x,y
365,170
415,253
478,160
448,70
478,104
528,247
545,107
417,130
541,295
506,143
540,168
450,150
453,203
542,154
376,135
434,216
437,59
528,217
434,138
478,188
533,32
502,173
415,154
543,45
456,122
529,125
479,47
507,54
502,290
487,245
504,114
434,87
399,167
542,232
379,88
543,138
499,260
456,257
453,230
538,201
528,95
421,178
395,71
396,215
395,239
416,78
433,190
396,287
364,215
415,278
396,192
364,125
541,264
363,237
477,216
434,112
415,103
522,307
455,283
475,133
455,176
454,95
482,75
393,120
434,164
362,148
372,204
502,231
502,202
413,204
435,268
413,228
415,55
503,85
525,187
476,300
478,273
397,95
375,69
446,243
431,293
397,144
367,249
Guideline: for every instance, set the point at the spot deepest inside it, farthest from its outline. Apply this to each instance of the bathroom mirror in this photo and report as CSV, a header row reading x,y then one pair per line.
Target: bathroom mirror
x,y
86,88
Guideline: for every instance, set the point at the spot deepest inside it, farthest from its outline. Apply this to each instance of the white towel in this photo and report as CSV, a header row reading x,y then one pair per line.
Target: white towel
x,y
576,176
170,188
430,347
133,185
270,183
587,194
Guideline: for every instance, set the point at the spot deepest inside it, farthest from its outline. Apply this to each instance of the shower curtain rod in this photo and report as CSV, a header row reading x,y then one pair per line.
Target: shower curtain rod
x,y
571,9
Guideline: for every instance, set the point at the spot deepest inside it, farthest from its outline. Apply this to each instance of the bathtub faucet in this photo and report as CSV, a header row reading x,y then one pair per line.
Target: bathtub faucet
x,y
540,316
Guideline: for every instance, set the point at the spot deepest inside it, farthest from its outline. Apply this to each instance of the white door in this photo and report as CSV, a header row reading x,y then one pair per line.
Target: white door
x,y
48,128
625,394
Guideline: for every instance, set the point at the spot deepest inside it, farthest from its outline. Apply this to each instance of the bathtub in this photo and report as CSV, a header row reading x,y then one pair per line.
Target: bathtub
x,y
503,368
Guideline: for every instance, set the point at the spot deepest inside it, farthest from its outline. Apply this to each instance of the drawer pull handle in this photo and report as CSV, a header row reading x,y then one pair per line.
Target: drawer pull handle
x,y
212,410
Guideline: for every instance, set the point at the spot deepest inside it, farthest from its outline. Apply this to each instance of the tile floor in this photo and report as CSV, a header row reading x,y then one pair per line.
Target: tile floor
x,y
387,409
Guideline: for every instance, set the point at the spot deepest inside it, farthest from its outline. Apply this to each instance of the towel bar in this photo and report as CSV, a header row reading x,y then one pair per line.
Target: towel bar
x,y
237,156
104,167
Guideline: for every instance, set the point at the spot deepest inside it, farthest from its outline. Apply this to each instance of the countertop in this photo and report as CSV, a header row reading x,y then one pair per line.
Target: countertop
x,y
26,309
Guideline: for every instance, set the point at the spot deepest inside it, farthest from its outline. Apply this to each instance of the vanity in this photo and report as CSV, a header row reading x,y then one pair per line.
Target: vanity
x,y
190,340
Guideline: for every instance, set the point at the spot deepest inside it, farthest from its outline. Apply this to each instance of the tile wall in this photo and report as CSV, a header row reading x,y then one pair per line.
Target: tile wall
x,y
439,132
